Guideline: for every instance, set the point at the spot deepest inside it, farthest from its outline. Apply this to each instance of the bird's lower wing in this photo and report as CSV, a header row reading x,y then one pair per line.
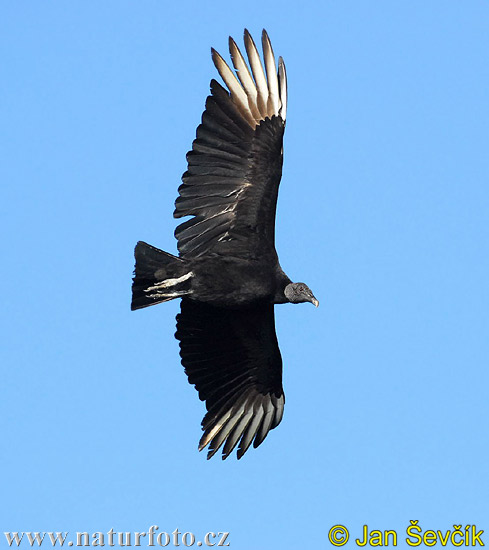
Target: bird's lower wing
x,y
233,359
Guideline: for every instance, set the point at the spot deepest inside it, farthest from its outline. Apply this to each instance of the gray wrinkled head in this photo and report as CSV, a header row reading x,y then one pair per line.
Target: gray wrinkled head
x,y
297,293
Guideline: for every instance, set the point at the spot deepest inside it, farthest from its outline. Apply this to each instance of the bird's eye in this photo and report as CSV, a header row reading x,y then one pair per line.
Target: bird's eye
x,y
301,289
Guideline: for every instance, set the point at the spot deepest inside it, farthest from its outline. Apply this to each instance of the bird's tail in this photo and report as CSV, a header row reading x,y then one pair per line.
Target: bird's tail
x,y
158,277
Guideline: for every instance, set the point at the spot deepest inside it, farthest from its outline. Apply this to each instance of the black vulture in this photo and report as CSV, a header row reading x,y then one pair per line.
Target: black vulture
x,y
228,274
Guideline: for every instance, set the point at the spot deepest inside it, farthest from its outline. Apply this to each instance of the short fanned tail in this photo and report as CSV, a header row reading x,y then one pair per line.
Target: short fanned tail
x,y
158,277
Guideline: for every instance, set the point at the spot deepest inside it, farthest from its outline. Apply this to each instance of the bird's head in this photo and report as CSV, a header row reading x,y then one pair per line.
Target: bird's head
x,y
297,293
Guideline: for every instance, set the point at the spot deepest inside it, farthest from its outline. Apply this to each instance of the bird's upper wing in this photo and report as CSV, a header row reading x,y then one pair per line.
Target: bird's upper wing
x,y
235,165
232,358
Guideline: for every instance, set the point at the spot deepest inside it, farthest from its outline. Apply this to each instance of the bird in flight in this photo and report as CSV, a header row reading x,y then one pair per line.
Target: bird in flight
x,y
227,274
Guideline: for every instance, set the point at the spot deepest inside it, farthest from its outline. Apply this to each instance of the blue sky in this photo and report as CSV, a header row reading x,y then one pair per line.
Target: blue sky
x,y
383,211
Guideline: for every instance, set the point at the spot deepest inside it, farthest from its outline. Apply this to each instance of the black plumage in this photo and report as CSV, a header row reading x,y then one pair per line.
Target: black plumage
x,y
227,273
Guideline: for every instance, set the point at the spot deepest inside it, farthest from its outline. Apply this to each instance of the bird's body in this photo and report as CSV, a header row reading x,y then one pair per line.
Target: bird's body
x,y
228,273
235,282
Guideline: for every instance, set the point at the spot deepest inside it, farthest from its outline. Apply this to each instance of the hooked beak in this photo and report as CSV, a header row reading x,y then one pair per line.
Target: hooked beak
x,y
315,302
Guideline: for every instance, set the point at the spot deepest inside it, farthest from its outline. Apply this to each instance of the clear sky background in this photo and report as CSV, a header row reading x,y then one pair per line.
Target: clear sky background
x,y
383,211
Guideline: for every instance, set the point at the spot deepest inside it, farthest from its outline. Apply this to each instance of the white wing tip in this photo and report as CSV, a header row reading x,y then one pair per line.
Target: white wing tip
x,y
257,95
245,424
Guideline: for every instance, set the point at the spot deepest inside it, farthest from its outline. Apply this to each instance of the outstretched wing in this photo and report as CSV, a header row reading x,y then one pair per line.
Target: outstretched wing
x,y
232,358
235,165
